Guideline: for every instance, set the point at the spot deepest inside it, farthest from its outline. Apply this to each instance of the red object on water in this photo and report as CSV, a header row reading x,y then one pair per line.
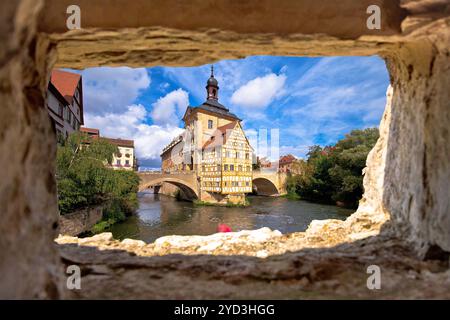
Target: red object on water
x,y
224,228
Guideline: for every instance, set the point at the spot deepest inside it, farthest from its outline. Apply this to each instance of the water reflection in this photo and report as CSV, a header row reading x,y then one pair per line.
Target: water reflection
x,y
160,215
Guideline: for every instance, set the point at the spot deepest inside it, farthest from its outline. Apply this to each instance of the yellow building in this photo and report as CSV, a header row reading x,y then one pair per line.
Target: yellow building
x,y
213,145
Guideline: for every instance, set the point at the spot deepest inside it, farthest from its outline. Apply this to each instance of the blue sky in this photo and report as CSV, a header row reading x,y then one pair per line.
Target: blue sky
x,y
309,100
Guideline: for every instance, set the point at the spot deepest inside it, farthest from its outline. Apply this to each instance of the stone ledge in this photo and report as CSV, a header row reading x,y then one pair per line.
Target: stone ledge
x,y
109,271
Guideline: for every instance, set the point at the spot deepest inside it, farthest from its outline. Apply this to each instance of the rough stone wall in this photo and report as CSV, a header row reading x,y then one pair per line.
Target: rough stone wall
x,y
251,16
413,152
417,169
372,200
79,221
257,264
29,263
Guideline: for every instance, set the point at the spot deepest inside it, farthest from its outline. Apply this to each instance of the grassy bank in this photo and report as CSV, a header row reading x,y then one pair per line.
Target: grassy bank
x,y
114,212
227,205
291,196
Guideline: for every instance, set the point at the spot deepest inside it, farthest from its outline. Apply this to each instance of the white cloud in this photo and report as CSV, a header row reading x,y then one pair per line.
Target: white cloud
x,y
149,140
259,92
331,98
164,86
168,109
107,90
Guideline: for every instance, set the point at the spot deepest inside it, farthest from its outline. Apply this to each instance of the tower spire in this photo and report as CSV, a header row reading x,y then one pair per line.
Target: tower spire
x,y
212,87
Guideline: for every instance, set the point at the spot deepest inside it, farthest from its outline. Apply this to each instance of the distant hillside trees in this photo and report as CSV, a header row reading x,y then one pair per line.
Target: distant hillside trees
x,y
333,174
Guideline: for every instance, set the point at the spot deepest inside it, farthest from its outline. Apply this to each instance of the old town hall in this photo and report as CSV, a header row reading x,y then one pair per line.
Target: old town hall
x,y
215,147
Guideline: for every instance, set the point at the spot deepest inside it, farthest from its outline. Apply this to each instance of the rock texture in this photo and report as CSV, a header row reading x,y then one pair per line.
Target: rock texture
x,y
220,30
258,243
29,263
80,221
416,188
259,264
264,16
406,178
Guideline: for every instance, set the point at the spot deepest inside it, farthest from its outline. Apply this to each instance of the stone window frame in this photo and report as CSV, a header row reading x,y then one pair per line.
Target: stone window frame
x,y
415,58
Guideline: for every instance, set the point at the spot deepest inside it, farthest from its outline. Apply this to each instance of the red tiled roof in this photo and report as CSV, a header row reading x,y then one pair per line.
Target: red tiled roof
x,y
121,142
66,83
90,130
287,159
220,136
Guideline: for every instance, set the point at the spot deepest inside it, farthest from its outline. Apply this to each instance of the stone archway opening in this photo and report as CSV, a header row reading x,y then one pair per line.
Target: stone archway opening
x,y
153,188
407,174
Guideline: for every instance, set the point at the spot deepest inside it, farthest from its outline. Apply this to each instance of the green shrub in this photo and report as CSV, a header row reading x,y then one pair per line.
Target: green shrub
x,y
334,173
83,179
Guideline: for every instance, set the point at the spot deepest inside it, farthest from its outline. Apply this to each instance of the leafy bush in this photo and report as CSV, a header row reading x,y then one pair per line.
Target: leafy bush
x,y
334,173
84,179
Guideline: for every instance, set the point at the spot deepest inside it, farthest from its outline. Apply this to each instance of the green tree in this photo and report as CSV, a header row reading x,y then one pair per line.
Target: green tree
x,y
349,158
334,173
84,179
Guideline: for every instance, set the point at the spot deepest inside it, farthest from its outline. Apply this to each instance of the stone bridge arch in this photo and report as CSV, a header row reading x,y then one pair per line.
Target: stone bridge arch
x,y
265,187
269,183
186,183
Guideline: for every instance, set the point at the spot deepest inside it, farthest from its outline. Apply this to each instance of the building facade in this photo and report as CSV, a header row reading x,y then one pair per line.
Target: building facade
x,y
65,102
125,159
285,164
215,147
175,158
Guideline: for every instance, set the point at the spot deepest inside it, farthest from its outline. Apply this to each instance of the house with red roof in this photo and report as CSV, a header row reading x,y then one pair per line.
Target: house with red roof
x,y
91,132
285,163
65,102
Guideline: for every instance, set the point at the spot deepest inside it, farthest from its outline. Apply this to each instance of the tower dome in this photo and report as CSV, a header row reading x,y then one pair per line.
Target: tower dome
x,y
212,81
212,87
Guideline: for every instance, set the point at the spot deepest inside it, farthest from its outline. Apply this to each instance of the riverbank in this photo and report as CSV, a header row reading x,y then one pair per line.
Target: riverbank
x,y
92,220
80,221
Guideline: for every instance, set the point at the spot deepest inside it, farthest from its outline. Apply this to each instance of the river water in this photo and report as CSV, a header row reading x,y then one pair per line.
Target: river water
x,y
160,215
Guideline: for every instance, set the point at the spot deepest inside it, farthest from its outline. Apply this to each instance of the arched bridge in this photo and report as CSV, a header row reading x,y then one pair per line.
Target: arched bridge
x,y
267,183
187,182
